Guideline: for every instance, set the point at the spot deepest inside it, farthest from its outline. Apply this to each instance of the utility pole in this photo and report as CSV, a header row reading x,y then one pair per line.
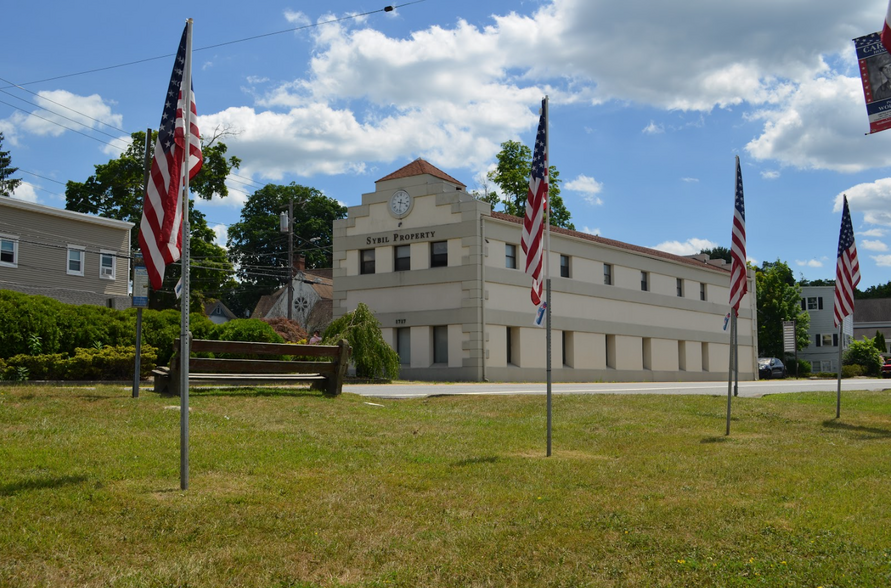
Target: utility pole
x,y
289,227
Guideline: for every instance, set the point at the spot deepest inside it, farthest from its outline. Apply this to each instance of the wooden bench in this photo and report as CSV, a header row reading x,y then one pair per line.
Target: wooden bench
x,y
326,370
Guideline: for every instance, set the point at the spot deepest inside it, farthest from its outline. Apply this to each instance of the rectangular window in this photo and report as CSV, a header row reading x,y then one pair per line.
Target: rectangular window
x,y
509,350
607,274
366,261
439,254
812,303
611,351
564,266
702,291
9,251
680,284
402,260
705,357
510,256
75,260
644,281
403,345
441,345
107,265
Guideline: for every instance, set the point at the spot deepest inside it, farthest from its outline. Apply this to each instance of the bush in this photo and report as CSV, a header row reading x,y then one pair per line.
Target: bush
x,y
107,363
371,355
247,330
290,331
21,316
804,368
852,370
865,354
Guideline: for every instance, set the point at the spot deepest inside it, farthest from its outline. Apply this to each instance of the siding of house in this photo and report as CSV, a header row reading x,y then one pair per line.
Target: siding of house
x,y
44,235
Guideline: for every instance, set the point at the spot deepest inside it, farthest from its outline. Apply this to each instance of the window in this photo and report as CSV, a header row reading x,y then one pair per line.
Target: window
x,y
9,251
644,281
702,291
812,303
402,261
75,260
366,261
107,265
441,345
510,256
680,288
509,350
607,274
564,266
827,340
439,254
403,345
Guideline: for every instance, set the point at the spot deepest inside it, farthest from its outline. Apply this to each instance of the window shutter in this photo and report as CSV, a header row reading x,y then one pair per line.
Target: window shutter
x,y
820,302
817,339
835,340
804,304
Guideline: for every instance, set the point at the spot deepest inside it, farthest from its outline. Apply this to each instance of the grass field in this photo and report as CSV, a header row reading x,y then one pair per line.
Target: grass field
x,y
292,489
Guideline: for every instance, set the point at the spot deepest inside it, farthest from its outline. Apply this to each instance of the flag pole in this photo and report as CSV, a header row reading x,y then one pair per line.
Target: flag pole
x,y
547,268
185,334
730,372
841,345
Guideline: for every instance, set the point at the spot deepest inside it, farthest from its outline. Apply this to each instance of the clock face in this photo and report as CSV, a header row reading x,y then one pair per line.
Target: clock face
x,y
400,203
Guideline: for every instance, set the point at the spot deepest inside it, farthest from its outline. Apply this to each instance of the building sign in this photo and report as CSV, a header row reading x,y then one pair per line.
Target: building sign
x,y
140,286
875,74
789,339
400,238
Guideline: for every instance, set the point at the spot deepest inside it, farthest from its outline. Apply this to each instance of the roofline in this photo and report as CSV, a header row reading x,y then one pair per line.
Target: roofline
x,y
62,213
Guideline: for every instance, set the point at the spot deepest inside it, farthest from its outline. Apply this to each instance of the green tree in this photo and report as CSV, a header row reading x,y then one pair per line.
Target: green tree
x,y
7,184
718,253
778,300
512,177
865,354
881,345
117,190
819,282
259,248
880,291
371,355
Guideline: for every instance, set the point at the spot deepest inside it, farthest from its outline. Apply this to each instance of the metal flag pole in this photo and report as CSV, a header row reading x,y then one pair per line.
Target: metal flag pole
x,y
547,268
736,353
185,334
841,345
730,372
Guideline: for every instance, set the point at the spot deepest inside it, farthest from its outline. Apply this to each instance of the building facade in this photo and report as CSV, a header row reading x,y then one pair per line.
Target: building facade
x,y
871,316
72,257
822,350
444,275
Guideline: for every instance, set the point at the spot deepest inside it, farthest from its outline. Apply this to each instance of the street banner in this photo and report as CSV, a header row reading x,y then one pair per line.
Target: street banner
x,y
875,74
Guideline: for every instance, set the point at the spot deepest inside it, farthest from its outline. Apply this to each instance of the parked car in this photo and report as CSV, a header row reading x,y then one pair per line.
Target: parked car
x,y
886,368
770,367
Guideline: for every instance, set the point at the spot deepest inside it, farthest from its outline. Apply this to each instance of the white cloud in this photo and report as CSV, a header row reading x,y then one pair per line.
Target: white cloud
x,y
588,186
873,200
689,247
653,129
591,231
809,263
221,235
874,245
690,180
882,260
770,174
25,191
872,233
61,109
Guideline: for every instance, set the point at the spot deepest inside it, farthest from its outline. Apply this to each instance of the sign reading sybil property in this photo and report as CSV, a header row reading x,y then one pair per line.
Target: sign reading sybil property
x,y
400,238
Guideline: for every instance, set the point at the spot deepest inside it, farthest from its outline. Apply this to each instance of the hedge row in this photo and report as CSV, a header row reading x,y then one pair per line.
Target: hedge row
x,y
38,325
107,363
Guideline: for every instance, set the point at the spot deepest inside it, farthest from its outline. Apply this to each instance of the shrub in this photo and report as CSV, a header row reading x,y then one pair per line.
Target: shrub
x,y
290,331
22,316
865,354
804,368
371,355
247,330
107,363
852,370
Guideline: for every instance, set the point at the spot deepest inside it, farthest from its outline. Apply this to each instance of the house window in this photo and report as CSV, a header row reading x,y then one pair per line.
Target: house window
x,y
510,256
403,345
702,291
564,266
441,344
75,260
402,261
644,281
813,303
607,274
9,251
827,340
439,254
366,261
107,265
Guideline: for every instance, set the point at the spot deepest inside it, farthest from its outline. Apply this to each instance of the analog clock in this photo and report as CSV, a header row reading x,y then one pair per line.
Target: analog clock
x,y
400,203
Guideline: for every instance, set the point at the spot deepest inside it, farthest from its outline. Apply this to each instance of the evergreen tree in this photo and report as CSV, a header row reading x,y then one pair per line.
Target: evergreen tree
x,y
7,184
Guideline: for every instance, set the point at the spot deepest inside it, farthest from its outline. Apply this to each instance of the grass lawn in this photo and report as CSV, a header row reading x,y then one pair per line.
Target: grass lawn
x,y
292,489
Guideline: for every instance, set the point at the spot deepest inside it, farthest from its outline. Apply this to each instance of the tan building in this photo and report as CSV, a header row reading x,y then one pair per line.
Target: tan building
x,y
72,257
444,275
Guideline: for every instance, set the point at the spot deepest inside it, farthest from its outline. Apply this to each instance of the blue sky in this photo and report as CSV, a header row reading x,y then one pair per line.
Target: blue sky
x,y
649,103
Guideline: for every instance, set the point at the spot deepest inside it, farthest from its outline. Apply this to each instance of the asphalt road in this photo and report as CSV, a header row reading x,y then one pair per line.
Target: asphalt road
x,y
746,389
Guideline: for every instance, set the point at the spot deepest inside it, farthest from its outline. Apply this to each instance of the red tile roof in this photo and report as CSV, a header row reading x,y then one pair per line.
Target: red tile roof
x,y
420,167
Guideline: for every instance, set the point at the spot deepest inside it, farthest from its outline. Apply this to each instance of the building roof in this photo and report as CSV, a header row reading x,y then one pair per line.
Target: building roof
x,y
620,245
420,167
872,310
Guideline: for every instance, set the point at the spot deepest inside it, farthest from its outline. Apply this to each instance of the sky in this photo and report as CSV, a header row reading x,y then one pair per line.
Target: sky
x,y
650,102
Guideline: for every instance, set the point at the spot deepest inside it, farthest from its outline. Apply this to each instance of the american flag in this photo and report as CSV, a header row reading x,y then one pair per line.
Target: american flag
x,y
739,284
886,30
536,206
847,268
160,237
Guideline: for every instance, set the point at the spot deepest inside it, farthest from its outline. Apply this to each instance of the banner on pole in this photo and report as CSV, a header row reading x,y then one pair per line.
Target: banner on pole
x,y
540,314
875,74
789,336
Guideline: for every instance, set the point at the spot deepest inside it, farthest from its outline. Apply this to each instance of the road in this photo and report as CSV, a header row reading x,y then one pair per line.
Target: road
x,y
746,389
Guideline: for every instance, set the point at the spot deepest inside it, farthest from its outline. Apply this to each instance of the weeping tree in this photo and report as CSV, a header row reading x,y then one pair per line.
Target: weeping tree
x,y
371,355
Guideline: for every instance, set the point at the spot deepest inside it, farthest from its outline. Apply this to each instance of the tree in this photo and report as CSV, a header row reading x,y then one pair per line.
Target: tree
x,y
778,300
880,343
819,282
117,190
718,253
880,291
371,355
260,250
512,176
7,184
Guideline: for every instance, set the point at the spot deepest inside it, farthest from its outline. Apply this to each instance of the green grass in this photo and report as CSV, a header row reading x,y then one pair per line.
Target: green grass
x,y
292,489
